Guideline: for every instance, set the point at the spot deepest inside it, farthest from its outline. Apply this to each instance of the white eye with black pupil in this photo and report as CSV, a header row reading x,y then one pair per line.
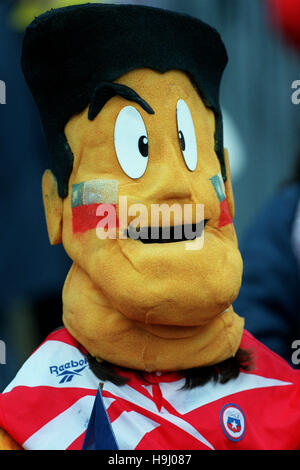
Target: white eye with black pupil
x,y
131,142
181,140
187,135
143,146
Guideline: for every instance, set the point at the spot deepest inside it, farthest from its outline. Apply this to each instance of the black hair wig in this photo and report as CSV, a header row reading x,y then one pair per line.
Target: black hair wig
x,y
195,377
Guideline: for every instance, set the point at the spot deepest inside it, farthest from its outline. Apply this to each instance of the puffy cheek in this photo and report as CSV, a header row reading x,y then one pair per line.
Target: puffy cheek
x,y
226,279
79,232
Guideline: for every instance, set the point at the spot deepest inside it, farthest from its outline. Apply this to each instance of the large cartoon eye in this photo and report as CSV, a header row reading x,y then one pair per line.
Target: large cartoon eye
x,y
131,142
187,135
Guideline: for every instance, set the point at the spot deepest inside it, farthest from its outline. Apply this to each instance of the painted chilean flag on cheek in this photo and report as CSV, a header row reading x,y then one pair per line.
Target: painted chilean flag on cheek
x,y
92,202
218,184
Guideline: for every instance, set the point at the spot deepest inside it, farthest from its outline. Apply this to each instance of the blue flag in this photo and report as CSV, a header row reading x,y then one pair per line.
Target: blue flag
x,y
99,434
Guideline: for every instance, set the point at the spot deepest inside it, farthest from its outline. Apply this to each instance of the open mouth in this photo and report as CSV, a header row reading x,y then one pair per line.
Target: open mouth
x,y
174,234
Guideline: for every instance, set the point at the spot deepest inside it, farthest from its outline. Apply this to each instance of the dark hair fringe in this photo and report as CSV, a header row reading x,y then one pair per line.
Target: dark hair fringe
x,y
222,372
199,376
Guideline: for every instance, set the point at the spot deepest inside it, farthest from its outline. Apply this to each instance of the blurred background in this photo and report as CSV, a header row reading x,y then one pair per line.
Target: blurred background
x,y
261,109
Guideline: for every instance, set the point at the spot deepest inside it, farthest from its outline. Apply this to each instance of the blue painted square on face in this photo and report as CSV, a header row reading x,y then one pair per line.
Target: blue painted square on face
x,y
77,195
218,185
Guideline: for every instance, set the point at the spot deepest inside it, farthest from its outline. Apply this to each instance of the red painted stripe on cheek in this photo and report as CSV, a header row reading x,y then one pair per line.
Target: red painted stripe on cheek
x,y
85,217
225,218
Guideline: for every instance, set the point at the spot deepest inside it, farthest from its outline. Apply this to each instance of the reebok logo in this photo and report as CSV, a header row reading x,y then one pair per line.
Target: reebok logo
x,y
69,370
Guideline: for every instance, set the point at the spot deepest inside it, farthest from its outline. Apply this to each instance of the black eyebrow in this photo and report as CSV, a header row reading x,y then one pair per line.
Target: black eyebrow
x,y
107,90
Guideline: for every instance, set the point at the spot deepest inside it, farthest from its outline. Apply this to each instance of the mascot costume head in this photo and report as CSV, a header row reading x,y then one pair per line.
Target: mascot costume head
x,y
129,101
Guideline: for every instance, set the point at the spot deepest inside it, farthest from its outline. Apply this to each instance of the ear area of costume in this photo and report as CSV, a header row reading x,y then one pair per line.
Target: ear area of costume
x,y
53,206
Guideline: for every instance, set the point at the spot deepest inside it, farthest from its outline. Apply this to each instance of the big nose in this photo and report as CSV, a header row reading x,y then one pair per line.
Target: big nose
x,y
171,184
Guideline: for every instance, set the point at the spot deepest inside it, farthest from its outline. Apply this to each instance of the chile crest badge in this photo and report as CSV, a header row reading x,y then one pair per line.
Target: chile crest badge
x,y
233,422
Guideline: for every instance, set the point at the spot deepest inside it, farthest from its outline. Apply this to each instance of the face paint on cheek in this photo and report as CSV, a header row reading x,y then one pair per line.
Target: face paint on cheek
x,y
91,201
218,184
